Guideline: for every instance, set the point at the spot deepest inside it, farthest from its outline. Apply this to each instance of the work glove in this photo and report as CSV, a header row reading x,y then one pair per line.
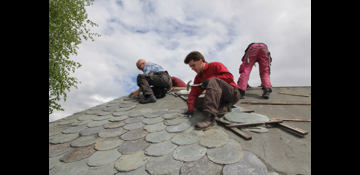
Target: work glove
x,y
204,84
188,113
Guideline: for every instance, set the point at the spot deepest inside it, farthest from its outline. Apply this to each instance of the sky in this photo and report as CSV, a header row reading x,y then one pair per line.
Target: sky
x,y
164,32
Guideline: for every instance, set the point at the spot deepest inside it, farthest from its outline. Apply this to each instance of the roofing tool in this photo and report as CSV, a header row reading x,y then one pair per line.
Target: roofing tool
x,y
188,85
176,95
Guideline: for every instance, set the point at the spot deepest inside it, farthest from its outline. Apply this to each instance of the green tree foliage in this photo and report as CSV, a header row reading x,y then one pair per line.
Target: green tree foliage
x,y
68,25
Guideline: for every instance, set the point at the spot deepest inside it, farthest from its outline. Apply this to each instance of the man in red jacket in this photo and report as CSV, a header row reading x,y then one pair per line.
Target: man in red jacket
x,y
221,90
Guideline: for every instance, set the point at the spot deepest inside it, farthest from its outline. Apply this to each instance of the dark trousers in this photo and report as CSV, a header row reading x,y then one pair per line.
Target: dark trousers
x,y
218,94
161,82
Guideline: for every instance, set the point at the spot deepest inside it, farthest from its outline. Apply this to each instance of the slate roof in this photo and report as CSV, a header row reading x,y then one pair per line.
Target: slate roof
x,y
125,137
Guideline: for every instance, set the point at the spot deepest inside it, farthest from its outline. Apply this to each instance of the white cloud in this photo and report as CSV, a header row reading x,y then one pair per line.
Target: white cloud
x,y
164,32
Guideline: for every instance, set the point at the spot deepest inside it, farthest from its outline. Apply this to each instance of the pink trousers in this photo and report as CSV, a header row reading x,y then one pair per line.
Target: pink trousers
x,y
257,52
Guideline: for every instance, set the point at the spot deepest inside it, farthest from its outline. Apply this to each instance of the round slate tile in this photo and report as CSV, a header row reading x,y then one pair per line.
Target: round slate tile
x,y
102,113
76,154
155,114
83,141
114,125
160,149
172,116
97,123
160,136
104,117
119,114
58,149
163,165
175,121
80,122
101,158
86,117
132,114
150,121
91,131
63,138
187,138
65,121
250,164
179,128
102,170
131,162
53,161
139,171
155,127
75,129
111,108
76,167
111,132
125,108
134,120
129,147
214,137
202,166
227,154
117,119
134,134
132,126
189,152
243,117
108,143
93,111
126,105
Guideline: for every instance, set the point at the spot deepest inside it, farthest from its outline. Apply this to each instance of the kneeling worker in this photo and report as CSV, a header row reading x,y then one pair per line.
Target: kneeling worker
x,y
221,90
154,75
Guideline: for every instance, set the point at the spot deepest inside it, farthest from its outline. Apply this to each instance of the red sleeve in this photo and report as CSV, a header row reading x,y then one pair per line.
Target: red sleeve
x,y
194,93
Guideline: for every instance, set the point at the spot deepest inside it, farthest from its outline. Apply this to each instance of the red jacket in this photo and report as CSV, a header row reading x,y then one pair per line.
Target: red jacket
x,y
176,82
214,69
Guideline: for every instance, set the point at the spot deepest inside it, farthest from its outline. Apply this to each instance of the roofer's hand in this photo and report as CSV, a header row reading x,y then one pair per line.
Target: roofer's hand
x,y
189,112
204,84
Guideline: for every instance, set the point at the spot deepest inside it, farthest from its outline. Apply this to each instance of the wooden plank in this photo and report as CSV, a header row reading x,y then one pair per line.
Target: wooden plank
x,y
241,133
292,119
235,130
300,95
274,103
293,129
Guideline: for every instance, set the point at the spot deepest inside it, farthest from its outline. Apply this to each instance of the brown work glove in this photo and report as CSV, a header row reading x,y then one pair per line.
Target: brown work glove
x,y
204,84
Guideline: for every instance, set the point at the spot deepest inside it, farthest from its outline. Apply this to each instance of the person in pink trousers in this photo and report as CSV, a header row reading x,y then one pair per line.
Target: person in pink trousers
x,y
255,52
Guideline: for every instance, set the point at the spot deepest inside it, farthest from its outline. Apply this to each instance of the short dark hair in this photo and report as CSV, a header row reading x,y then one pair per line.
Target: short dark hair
x,y
194,55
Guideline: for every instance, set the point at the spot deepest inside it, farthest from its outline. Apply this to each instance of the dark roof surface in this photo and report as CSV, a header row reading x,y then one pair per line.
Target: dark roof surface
x,y
125,137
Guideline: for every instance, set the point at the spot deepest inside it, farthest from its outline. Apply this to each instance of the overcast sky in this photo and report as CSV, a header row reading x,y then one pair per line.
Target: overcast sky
x,y
164,32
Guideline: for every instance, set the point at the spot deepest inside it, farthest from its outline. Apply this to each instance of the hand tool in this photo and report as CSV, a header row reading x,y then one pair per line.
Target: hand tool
x,y
188,85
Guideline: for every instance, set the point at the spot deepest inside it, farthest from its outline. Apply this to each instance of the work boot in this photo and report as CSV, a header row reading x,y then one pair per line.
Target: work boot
x,y
266,92
148,99
207,122
224,109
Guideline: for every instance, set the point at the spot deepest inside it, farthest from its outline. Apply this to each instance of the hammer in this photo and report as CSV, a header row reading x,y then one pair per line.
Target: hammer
x,y
188,85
